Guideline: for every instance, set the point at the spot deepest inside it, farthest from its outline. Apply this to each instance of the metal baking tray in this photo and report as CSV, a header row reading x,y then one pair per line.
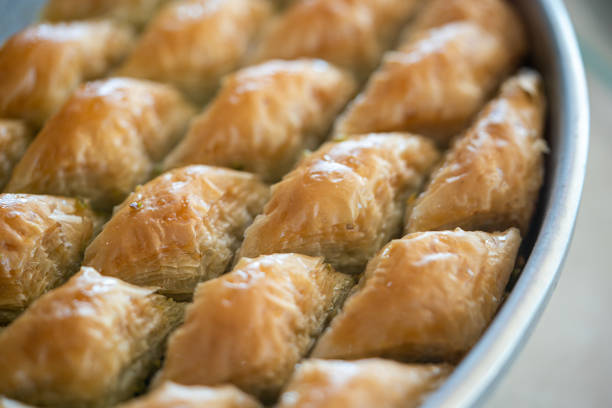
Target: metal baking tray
x,y
556,54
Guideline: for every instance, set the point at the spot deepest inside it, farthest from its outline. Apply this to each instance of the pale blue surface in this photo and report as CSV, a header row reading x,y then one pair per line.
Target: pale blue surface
x,y
14,13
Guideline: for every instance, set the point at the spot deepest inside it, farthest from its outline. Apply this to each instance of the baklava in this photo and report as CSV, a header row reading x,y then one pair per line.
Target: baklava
x,y
440,77
361,384
43,64
496,16
136,12
264,117
425,297
89,343
262,160
171,395
179,229
491,178
362,31
343,202
14,139
252,325
42,239
104,141
193,43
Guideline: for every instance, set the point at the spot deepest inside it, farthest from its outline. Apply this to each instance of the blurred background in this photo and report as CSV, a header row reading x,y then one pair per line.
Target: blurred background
x,y
567,361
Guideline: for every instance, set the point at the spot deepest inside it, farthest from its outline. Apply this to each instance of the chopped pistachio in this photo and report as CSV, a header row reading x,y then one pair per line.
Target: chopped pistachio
x,y
81,204
136,205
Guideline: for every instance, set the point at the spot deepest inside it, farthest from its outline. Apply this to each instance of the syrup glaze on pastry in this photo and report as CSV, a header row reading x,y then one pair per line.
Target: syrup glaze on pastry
x,y
43,64
14,139
351,34
96,339
265,116
343,202
103,142
425,297
438,79
251,326
496,16
179,229
89,343
361,384
42,239
192,44
491,178
171,395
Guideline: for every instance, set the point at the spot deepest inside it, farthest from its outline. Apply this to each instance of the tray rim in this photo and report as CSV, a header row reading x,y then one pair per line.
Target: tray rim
x,y
557,55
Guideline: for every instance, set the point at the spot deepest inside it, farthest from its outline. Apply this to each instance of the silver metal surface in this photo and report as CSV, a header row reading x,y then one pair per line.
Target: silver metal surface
x,y
557,56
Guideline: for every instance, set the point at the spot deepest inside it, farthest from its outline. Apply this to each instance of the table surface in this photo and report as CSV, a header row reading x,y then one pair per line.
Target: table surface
x,y
567,361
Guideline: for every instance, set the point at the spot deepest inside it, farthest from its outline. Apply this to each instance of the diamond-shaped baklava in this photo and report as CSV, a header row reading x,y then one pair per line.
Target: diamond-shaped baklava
x,y
260,160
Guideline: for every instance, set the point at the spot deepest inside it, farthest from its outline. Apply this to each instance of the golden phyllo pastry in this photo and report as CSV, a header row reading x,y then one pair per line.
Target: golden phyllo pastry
x,y
42,239
491,178
496,16
426,297
130,11
438,80
192,43
265,116
171,395
89,343
104,141
179,229
361,384
14,139
343,202
252,325
43,64
351,34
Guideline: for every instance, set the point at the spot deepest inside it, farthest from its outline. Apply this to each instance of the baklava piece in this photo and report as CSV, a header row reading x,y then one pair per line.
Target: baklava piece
x,y
435,83
491,178
193,43
104,141
179,229
89,343
172,395
43,64
361,384
264,117
14,139
496,16
426,297
136,12
251,326
351,34
343,202
42,239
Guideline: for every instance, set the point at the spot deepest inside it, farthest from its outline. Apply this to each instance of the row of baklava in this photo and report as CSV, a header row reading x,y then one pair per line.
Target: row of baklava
x,y
190,44
341,204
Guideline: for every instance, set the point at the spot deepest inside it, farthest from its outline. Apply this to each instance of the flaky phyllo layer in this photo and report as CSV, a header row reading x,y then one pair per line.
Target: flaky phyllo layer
x,y
248,203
